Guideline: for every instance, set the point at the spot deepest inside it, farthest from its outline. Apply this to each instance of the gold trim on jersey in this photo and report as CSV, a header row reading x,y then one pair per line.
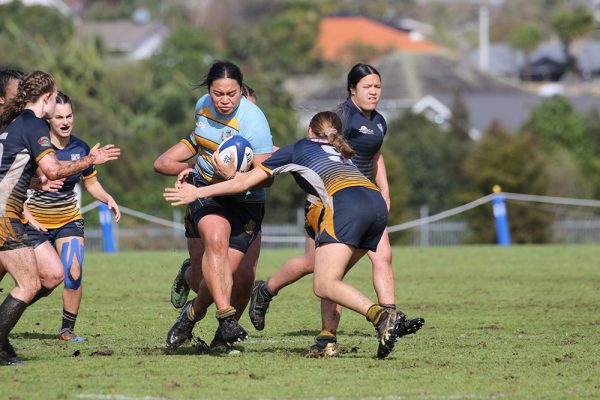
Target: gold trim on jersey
x,y
206,145
189,145
43,154
232,122
210,179
93,174
52,223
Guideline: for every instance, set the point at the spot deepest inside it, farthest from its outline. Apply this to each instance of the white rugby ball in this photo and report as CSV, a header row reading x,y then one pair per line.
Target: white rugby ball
x,y
237,150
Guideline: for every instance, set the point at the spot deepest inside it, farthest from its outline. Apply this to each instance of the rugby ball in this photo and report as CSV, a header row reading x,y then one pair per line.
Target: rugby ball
x,y
237,150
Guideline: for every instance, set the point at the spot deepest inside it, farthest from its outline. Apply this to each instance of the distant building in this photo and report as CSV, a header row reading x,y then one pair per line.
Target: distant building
x,y
126,39
546,63
427,83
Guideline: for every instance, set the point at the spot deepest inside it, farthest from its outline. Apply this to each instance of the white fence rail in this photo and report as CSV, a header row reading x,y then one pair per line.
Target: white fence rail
x,y
427,231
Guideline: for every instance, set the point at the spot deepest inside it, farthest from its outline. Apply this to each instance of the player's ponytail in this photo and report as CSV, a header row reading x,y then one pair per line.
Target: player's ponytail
x,y
31,87
327,124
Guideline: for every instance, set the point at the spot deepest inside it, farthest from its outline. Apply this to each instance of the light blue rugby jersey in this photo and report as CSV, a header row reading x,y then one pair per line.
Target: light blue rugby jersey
x,y
213,128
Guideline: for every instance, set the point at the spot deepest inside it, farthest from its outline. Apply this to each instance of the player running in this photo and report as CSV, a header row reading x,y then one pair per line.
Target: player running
x,y
347,229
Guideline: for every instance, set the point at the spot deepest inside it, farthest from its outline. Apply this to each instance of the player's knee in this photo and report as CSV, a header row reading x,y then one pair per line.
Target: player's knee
x,y
72,282
54,280
320,289
309,266
382,258
28,289
215,242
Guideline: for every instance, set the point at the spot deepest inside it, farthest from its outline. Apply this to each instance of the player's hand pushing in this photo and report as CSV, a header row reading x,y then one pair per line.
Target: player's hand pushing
x,y
101,155
184,193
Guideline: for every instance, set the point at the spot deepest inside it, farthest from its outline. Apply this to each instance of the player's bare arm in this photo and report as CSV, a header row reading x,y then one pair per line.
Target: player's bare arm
x,y
55,169
174,160
186,193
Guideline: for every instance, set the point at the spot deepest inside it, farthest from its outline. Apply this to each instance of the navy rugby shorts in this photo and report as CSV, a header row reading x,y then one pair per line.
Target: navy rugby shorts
x,y
245,218
73,228
358,218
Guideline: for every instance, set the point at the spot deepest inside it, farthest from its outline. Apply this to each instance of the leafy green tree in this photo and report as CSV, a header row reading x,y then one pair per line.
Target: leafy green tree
x,y
35,22
569,25
289,46
557,125
526,37
592,170
427,153
516,163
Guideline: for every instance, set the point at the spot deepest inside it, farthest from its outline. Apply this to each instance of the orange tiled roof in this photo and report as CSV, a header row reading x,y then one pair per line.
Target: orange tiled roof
x,y
337,34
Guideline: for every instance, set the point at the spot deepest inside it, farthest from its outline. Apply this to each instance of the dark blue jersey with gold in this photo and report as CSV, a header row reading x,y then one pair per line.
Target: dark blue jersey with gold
x,y
354,211
318,168
23,143
363,134
56,209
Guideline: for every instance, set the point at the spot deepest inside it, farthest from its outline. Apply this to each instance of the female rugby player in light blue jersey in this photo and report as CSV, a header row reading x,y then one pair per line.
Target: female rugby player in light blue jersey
x,y
56,226
221,231
347,229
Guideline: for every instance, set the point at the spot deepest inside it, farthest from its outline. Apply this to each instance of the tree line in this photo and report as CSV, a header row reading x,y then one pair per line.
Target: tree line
x,y
144,107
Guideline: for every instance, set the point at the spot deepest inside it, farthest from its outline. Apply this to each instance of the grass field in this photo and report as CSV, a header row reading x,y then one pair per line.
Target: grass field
x,y
512,323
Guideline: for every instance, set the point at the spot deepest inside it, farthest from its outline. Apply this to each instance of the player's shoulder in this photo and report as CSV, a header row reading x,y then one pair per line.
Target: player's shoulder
x,y
378,117
30,120
248,112
77,142
203,102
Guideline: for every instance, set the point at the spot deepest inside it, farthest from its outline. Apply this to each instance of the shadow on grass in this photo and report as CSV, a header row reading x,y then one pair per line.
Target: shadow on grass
x,y
35,335
313,333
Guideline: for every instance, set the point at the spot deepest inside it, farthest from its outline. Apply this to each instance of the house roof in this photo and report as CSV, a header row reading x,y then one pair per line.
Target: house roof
x,y
409,78
339,34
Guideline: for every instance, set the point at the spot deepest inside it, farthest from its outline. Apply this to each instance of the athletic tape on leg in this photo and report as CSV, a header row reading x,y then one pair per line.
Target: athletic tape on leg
x,y
68,255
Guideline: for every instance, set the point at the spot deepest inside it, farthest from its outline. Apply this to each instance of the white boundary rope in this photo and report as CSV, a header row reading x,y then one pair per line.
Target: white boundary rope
x,y
395,228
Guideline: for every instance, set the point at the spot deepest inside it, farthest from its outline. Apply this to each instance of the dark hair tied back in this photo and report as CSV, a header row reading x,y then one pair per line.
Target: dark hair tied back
x,y
31,87
222,70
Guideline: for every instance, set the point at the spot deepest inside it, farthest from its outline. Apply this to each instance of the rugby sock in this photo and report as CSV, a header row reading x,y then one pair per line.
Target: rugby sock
x,y
43,292
374,314
324,338
228,312
390,306
68,320
11,310
189,312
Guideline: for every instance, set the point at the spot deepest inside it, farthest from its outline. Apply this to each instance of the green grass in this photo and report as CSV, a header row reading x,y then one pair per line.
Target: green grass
x,y
519,322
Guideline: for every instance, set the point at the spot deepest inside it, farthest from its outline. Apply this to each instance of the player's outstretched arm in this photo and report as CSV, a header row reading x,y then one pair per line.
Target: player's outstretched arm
x,y
55,169
186,193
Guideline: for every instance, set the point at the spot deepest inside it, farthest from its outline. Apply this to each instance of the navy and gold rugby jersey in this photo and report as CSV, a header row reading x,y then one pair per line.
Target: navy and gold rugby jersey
x,y
56,209
363,134
213,128
318,168
23,143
